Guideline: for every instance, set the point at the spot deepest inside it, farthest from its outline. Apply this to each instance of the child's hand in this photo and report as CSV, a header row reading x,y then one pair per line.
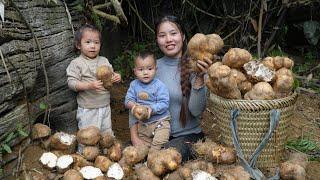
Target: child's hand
x,y
149,111
116,77
96,85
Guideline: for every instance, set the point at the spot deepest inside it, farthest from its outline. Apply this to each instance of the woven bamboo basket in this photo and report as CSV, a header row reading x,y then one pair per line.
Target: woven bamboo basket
x,y
253,122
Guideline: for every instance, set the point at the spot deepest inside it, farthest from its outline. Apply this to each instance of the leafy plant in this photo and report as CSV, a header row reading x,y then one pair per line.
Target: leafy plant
x,y
4,147
304,145
124,63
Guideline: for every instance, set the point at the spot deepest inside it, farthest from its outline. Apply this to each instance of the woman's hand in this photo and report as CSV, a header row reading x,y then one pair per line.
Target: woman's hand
x,y
116,77
203,66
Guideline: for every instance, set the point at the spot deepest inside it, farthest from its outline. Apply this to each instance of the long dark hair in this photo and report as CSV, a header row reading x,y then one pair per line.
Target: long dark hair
x,y
184,67
79,33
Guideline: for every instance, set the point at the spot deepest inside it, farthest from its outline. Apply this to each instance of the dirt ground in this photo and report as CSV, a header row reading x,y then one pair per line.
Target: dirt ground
x,y
305,122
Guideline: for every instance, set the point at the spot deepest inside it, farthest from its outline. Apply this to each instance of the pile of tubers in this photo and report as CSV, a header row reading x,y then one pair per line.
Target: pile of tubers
x,y
238,76
104,157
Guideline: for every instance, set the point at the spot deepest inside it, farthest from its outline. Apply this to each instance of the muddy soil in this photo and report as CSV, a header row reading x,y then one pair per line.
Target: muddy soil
x,y
305,122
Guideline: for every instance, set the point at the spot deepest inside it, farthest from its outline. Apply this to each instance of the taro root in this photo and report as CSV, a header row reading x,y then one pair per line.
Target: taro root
x,y
214,152
294,167
103,163
127,169
283,84
115,153
90,172
49,160
72,174
40,131
89,136
163,161
104,73
115,171
223,81
235,173
236,58
107,140
185,172
63,141
202,47
260,91
63,163
80,162
278,62
143,172
134,154
90,152
140,112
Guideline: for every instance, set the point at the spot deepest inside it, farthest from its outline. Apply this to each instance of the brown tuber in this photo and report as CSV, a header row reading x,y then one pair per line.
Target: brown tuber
x,y
283,84
40,131
295,167
115,152
236,58
104,73
163,161
235,173
214,152
134,154
103,163
260,91
202,47
89,136
90,152
107,140
72,174
144,173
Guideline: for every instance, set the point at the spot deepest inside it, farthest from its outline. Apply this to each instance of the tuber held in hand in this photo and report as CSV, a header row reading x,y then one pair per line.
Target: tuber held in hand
x,y
140,112
202,47
104,73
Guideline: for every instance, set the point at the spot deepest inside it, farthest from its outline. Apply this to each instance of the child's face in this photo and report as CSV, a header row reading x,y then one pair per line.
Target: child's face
x,y
145,69
90,44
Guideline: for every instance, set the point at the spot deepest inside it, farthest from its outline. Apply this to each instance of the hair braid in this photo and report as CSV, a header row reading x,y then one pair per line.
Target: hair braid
x,y
185,88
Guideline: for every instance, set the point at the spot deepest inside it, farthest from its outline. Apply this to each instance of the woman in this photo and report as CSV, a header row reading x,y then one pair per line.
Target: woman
x,y
187,91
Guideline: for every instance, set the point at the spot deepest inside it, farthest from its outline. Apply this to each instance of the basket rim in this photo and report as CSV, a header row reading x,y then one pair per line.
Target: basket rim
x,y
254,104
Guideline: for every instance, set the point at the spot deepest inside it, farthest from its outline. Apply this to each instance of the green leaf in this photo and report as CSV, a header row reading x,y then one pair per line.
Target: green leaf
x,y
43,106
7,148
9,137
22,133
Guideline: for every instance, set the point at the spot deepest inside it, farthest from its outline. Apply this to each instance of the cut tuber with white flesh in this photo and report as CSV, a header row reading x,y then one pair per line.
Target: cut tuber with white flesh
x,y
115,171
63,163
90,172
63,141
201,175
258,71
49,160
